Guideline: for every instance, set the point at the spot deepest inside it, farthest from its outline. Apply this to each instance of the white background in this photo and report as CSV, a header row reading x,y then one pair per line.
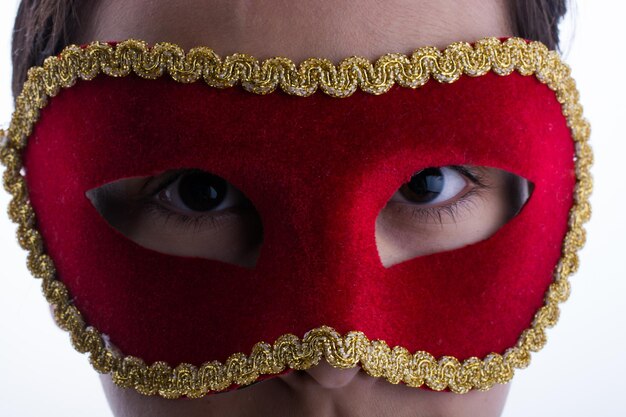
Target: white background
x,y
579,373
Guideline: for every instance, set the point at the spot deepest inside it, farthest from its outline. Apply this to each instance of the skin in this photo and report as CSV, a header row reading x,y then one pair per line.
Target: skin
x,y
322,391
463,213
334,30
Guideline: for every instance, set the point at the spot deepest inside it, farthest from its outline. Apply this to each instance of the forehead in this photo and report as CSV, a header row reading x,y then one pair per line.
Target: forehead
x,y
296,29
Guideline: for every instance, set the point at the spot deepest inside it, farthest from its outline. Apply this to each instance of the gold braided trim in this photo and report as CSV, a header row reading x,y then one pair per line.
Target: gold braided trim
x,y
342,351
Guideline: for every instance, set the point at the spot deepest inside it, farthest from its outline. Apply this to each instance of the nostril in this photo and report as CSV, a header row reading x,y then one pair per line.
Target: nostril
x,y
330,377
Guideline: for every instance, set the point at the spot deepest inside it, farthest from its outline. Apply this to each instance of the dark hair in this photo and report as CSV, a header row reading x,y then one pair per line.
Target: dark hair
x,y
43,27
538,20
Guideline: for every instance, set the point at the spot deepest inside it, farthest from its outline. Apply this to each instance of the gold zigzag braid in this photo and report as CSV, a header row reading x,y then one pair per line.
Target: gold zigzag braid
x,y
395,364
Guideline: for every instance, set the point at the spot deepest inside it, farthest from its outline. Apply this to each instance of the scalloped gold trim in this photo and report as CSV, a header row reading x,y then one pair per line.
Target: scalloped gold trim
x,y
354,348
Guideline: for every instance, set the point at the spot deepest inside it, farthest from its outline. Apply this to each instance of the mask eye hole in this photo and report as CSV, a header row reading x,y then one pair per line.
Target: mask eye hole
x,y
185,212
445,208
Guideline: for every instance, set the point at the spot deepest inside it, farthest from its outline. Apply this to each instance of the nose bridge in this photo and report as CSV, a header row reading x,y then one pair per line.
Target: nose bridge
x,y
319,241
318,184
319,219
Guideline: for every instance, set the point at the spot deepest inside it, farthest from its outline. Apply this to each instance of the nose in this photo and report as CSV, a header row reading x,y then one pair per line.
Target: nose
x,y
330,377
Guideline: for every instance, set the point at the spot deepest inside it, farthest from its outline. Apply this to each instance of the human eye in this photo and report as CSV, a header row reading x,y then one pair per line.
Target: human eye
x,y
444,208
184,212
193,199
436,194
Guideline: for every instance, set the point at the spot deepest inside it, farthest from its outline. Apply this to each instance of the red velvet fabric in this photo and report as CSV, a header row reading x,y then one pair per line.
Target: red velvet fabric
x,y
318,170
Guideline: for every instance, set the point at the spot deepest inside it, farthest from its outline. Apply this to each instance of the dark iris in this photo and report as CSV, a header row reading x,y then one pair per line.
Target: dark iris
x,y
201,191
424,186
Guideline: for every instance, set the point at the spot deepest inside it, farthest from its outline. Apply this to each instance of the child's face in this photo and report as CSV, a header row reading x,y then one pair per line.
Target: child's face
x,y
299,30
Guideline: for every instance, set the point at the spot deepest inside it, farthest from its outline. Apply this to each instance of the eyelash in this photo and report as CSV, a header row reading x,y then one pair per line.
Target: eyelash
x,y
436,214
215,221
196,223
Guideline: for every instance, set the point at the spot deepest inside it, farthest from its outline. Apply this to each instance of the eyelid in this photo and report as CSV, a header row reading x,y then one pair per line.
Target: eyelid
x,y
214,219
234,206
153,186
459,181
451,207
451,210
472,173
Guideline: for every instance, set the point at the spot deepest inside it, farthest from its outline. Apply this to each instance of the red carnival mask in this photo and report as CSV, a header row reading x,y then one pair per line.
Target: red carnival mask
x,y
460,319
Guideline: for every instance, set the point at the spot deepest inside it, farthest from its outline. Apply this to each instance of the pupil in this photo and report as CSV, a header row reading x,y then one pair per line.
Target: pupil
x,y
201,191
425,186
